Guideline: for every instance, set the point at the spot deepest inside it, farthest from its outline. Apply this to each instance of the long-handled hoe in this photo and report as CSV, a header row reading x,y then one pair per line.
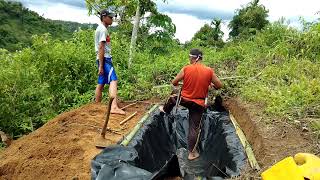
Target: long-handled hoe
x,y
101,141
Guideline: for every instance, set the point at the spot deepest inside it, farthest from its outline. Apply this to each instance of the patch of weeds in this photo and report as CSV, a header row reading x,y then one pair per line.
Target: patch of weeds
x,y
315,126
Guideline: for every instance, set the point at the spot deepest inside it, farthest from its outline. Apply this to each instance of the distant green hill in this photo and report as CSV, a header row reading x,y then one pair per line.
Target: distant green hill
x,y
18,24
73,26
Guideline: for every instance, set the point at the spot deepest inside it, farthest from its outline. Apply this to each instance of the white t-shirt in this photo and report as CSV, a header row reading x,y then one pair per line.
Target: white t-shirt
x,y
101,34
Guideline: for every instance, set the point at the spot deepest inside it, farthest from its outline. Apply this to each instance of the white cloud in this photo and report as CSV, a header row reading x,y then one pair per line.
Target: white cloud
x,y
65,12
227,6
188,24
225,29
292,9
277,8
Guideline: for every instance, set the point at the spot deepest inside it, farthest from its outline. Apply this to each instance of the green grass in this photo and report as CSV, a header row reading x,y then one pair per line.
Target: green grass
x,y
315,126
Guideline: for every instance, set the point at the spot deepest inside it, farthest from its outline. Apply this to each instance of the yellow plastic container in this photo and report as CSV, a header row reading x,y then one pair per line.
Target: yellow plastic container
x,y
303,165
286,169
309,165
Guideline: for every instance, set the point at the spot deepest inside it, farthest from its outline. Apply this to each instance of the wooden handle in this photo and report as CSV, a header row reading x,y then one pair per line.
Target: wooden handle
x,y
104,129
178,100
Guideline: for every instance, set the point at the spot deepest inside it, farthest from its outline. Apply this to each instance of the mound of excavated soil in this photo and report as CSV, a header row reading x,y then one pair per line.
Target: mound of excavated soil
x,y
64,147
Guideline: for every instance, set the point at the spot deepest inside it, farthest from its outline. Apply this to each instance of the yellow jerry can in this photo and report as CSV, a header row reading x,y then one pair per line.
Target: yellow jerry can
x,y
286,169
303,165
309,165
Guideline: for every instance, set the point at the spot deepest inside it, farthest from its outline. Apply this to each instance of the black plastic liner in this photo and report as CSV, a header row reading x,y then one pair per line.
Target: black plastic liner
x,y
158,150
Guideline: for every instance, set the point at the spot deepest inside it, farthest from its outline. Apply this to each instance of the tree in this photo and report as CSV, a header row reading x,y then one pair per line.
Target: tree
x,y
210,35
249,19
157,34
217,32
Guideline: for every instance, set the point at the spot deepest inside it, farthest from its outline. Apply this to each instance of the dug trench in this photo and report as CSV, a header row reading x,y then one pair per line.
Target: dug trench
x,y
158,151
162,143
272,139
64,147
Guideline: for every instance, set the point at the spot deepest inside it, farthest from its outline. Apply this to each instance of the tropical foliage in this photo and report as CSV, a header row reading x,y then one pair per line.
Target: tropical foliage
x,y
249,19
278,67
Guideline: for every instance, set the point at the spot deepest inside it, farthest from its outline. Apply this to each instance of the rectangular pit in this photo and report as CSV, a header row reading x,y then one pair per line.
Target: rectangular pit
x,y
161,143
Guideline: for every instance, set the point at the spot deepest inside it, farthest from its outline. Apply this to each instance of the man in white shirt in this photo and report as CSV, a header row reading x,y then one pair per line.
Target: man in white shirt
x,y
107,74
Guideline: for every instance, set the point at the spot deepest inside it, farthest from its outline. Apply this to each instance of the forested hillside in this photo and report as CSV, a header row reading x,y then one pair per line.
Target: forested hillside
x,y
18,24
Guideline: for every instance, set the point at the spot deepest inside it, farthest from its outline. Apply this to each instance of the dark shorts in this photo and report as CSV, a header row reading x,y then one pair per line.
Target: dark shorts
x,y
195,115
109,72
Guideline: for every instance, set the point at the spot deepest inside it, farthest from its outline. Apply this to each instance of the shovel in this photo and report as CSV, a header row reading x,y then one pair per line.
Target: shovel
x,y
101,141
178,100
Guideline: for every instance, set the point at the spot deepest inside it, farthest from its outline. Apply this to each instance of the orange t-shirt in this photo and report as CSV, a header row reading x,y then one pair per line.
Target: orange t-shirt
x,y
197,78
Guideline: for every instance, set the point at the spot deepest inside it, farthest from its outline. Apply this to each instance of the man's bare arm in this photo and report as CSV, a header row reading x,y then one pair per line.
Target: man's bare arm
x,y
178,78
216,82
101,56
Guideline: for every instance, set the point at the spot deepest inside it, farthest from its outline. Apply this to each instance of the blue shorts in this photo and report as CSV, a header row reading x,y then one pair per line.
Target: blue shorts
x,y
109,72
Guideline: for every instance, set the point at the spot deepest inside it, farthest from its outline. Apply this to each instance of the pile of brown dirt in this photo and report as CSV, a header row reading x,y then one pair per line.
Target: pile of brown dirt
x,y
64,147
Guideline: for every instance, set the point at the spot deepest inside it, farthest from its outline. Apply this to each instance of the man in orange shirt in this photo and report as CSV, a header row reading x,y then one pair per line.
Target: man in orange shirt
x,y
197,78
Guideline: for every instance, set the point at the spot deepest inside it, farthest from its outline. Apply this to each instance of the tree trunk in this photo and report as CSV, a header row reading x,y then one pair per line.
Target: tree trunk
x,y
134,34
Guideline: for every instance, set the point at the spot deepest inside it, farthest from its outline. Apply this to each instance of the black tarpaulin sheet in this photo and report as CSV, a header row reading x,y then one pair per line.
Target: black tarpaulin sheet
x,y
158,150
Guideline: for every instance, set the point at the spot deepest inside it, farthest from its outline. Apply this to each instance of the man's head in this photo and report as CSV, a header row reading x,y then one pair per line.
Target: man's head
x,y
106,17
195,55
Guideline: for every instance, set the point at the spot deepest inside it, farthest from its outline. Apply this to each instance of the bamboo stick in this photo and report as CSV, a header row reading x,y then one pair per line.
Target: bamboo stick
x,y
166,85
223,78
128,105
128,138
252,160
128,118
232,77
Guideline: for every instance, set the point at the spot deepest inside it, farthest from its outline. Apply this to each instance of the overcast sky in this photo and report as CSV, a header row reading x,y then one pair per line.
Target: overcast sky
x,y
188,15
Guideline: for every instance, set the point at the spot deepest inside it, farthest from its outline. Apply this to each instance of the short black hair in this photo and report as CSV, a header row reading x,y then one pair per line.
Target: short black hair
x,y
196,52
